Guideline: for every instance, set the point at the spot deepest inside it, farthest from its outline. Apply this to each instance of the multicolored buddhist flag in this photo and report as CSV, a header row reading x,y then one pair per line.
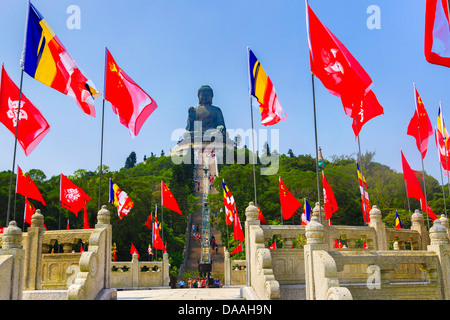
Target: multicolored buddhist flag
x,y
228,201
45,59
437,32
156,238
132,104
29,124
398,222
306,214
120,199
261,88
441,126
365,203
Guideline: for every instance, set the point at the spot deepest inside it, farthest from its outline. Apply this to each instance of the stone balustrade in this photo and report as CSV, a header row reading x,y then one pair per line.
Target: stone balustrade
x,y
140,274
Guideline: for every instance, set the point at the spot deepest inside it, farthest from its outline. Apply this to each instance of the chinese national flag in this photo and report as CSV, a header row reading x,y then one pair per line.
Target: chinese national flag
x,y
168,200
333,64
261,217
289,204
29,211
237,249
413,187
330,205
148,223
420,126
32,125
134,250
26,187
132,104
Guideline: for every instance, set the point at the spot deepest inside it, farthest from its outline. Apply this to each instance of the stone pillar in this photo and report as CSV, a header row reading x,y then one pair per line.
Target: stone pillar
x,y
315,233
103,221
419,225
380,228
33,252
444,222
135,270
227,268
440,244
251,215
166,265
12,245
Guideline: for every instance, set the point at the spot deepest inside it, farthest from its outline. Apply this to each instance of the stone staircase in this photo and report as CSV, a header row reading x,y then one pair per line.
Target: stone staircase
x,y
193,257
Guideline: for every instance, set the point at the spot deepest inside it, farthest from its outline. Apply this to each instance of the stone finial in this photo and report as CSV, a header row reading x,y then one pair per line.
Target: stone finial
x,y
314,231
375,214
417,217
251,212
12,236
317,210
103,216
444,220
37,219
438,233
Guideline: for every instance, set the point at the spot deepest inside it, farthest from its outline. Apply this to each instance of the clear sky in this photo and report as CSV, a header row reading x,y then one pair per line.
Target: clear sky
x,y
172,47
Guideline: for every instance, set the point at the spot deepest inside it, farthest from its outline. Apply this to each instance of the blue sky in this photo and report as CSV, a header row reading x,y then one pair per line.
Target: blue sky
x,y
172,47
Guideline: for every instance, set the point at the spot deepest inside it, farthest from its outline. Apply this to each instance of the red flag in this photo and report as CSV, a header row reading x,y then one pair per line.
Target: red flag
x,y
67,227
134,250
32,125
330,205
26,187
420,126
132,104
156,239
273,245
261,217
237,249
333,64
364,111
29,211
148,223
72,197
168,200
437,32
289,204
238,234
413,187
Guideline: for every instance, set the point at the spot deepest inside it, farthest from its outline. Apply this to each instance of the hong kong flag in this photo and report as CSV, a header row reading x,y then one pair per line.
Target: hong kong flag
x,y
132,104
72,197
32,126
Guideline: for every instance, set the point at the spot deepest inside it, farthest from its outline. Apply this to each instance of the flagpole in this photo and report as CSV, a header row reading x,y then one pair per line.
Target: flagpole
x,y
317,148
253,144
101,157
445,147
442,182
15,151
315,117
421,157
363,203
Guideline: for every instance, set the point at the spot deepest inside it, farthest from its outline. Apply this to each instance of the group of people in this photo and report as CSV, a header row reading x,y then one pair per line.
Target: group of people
x,y
200,282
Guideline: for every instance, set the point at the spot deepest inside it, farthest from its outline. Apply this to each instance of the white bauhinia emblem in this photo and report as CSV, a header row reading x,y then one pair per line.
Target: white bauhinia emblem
x,y
72,195
14,110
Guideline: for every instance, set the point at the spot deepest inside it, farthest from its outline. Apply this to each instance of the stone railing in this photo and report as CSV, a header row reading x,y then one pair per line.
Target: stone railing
x,y
140,274
67,275
235,271
12,259
286,270
259,260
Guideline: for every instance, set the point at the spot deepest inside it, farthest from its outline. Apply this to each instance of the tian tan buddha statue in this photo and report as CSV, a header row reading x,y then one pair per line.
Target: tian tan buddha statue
x,y
208,116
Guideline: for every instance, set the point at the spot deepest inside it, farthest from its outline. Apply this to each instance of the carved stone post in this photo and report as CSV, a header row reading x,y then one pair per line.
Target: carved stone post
x,y
419,225
135,270
103,221
251,214
33,252
166,278
227,268
12,245
440,245
315,233
380,228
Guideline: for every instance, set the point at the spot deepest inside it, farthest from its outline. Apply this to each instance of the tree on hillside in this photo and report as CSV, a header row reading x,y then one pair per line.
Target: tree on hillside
x,y
131,160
